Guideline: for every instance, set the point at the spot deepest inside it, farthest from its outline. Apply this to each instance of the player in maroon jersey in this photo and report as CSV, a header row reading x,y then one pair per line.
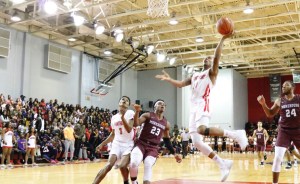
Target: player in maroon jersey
x,y
155,126
288,105
261,138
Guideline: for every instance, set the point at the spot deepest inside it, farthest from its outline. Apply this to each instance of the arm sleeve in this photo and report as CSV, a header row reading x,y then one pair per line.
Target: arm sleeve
x,y
169,145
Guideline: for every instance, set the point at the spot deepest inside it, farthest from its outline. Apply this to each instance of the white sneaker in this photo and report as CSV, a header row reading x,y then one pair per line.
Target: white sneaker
x,y
10,166
225,169
2,166
34,164
241,138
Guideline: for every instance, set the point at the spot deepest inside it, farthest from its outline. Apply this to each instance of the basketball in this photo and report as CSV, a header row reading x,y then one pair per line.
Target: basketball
x,y
224,26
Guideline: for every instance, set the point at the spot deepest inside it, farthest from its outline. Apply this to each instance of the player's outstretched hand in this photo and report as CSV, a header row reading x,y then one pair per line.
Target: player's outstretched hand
x,y
164,76
178,158
137,107
261,99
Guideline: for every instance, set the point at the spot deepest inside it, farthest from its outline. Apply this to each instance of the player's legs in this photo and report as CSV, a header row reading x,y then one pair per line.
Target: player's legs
x,y
123,167
203,129
102,173
148,163
136,158
279,154
27,155
289,160
225,165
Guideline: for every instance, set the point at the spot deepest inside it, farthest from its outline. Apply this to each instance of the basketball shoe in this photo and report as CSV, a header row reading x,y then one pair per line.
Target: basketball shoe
x,y
225,169
241,139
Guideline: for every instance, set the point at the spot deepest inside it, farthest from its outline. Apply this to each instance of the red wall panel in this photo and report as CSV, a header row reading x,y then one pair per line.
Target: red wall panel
x,y
261,86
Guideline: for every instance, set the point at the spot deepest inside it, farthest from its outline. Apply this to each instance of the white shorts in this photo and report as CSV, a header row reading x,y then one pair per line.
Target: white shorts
x,y
120,150
197,119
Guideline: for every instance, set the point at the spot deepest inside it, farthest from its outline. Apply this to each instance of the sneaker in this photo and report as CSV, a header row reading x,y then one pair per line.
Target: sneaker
x,y
241,138
262,163
2,166
295,163
265,156
225,169
34,164
288,166
10,166
25,165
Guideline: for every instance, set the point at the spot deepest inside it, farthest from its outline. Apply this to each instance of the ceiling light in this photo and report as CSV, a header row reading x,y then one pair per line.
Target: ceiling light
x,y
118,30
50,7
78,20
173,21
160,57
99,29
248,10
292,69
150,49
107,52
235,65
119,37
67,3
199,40
72,39
17,1
190,70
15,17
135,44
172,60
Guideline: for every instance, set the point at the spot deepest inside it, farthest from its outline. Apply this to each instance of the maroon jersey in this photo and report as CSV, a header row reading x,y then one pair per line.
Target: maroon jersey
x,y
260,137
290,113
153,130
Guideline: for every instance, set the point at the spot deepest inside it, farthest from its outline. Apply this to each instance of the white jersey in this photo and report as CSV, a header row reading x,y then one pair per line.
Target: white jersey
x,y
8,139
121,135
31,141
201,86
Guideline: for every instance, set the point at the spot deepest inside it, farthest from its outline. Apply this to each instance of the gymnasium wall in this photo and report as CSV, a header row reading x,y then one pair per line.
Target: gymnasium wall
x,y
23,72
261,86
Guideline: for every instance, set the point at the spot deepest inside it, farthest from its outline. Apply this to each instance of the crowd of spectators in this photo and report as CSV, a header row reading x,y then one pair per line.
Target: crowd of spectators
x,y
48,119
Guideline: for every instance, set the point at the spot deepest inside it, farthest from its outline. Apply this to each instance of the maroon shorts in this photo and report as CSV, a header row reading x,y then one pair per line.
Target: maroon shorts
x,y
286,136
260,147
147,149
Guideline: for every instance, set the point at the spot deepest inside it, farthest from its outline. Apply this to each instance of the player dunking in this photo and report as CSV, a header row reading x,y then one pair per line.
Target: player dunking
x,y
146,149
201,85
288,105
262,137
122,136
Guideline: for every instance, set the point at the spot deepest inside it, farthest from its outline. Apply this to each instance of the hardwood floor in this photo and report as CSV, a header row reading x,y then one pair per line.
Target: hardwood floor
x,y
194,169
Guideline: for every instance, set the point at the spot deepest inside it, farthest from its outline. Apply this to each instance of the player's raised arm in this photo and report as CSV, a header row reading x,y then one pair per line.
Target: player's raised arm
x,y
213,72
166,77
270,112
137,121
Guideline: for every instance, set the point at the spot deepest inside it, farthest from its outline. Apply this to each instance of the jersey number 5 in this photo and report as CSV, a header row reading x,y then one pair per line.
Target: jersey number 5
x,y
155,131
289,113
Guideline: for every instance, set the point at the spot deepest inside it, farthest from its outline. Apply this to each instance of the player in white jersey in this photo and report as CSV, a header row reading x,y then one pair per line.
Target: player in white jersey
x,y
122,138
201,84
7,144
30,146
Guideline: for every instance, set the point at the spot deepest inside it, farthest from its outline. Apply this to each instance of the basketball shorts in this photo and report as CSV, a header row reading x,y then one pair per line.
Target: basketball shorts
x,y
286,136
260,147
121,149
197,119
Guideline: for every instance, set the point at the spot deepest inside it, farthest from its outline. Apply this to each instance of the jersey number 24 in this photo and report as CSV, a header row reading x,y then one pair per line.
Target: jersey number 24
x,y
289,113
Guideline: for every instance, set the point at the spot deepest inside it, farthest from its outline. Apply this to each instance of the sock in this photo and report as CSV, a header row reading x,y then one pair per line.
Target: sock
x,y
230,134
133,180
126,182
218,160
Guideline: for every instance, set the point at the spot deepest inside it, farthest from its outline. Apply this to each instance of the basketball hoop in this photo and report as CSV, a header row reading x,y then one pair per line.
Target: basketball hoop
x,y
101,90
157,8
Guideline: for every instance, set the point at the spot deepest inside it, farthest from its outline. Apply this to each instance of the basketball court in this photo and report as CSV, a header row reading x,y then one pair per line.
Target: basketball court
x,y
194,169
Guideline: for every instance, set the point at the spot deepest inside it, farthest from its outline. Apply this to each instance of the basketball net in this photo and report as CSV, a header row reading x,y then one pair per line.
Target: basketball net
x,y
157,8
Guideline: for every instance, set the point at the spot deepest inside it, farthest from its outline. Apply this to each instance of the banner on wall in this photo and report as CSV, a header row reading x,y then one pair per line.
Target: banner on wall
x,y
275,87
